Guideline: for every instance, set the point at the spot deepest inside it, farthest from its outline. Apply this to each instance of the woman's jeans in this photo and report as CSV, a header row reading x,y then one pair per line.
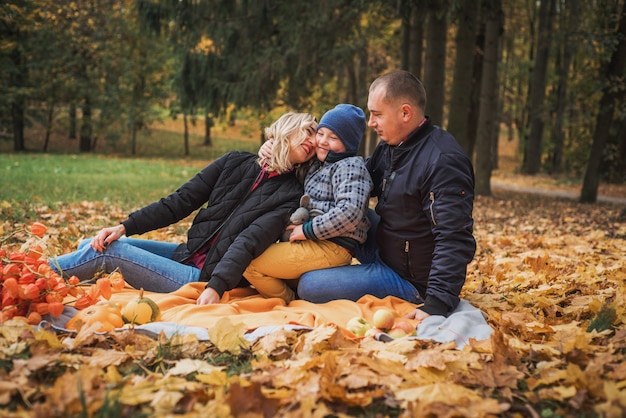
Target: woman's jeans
x,y
143,263
371,277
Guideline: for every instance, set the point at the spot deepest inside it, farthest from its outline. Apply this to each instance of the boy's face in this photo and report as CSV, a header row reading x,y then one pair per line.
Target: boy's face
x,y
327,140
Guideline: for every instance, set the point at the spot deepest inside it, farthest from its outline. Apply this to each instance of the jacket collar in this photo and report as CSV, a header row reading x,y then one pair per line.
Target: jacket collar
x,y
414,137
333,156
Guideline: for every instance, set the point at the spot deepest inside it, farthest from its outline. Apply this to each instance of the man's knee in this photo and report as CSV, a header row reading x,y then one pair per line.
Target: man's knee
x,y
309,286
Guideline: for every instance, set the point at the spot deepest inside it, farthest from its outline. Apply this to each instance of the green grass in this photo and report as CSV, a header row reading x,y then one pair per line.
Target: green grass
x,y
167,144
61,177
49,179
55,178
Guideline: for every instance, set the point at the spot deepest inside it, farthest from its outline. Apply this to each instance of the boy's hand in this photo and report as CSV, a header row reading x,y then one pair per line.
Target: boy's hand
x,y
296,233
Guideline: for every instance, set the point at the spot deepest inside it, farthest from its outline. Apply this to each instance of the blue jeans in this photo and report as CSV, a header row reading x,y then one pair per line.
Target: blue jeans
x,y
371,277
143,263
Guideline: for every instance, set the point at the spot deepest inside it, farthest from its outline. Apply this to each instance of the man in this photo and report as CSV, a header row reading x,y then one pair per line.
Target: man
x,y
423,225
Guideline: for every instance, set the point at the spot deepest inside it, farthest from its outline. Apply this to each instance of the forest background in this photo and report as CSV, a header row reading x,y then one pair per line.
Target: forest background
x,y
96,76
107,105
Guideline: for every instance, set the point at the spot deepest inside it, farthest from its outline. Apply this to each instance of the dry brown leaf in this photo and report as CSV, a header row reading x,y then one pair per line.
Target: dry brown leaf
x,y
543,271
316,341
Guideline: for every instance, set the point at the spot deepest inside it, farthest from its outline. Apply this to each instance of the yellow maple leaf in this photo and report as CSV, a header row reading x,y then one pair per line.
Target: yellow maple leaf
x,y
228,336
188,366
438,392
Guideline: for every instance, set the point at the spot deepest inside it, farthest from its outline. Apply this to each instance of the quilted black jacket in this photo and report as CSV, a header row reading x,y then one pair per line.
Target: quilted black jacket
x,y
245,222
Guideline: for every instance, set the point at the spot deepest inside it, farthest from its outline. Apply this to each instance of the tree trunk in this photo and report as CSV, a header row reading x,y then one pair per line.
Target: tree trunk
x,y
369,141
352,83
622,157
463,75
498,99
72,117
569,47
475,91
405,9
133,139
17,114
363,76
186,134
532,160
434,72
488,101
620,167
417,39
613,74
49,120
18,80
135,113
208,124
86,127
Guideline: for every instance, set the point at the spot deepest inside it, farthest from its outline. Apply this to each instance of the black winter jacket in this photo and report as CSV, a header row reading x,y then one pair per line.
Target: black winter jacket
x,y
245,222
425,190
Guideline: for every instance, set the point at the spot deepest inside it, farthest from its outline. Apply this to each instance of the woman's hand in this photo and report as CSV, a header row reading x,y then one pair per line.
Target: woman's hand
x,y
107,236
208,297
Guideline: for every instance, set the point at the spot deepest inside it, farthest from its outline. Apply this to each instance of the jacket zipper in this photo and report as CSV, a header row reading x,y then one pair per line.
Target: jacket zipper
x,y
432,211
407,247
408,258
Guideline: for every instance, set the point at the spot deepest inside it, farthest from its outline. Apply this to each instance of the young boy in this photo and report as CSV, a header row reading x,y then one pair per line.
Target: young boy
x,y
339,187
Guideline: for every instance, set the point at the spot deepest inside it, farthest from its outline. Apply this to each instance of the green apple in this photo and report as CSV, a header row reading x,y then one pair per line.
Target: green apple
x,y
358,326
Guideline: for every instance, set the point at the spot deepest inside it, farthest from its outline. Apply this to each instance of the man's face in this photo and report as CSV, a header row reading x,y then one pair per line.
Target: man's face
x,y
385,117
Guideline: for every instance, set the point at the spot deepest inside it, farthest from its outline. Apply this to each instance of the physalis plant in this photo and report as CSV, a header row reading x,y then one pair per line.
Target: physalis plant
x,y
30,288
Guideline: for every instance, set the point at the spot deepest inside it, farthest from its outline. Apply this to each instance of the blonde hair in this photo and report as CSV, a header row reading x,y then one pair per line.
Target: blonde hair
x,y
297,126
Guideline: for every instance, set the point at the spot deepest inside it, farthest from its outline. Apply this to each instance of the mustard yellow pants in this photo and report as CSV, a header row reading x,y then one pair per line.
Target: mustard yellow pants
x,y
276,272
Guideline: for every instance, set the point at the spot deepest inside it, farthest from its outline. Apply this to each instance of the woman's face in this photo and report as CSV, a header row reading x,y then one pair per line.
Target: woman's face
x,y
301,151
326,141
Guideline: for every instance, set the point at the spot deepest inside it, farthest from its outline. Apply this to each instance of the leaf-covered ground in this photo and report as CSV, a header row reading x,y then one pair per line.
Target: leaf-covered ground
x,y
550,276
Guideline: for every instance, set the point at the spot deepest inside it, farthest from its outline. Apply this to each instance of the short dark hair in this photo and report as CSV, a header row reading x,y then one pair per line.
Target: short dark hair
x,y
400,84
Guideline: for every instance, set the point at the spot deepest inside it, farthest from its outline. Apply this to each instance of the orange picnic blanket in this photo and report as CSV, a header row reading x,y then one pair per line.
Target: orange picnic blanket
x,y
248,307
180,314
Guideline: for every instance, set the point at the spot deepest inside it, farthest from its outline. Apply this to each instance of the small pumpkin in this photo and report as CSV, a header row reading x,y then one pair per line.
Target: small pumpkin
x,y
141,310
107,314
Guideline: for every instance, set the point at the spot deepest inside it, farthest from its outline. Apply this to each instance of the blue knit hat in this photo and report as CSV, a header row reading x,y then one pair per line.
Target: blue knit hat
x,y
348,123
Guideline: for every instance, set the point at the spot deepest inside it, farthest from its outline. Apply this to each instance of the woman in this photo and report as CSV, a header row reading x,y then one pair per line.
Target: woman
x,y
338,186
248,200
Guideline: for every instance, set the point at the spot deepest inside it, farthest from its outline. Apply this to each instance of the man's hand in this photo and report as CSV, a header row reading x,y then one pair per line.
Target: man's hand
x,y
208,297
107,236
418,314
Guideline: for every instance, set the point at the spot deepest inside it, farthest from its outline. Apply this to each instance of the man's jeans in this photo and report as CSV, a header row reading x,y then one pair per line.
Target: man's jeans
x,y
371,277
143,263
